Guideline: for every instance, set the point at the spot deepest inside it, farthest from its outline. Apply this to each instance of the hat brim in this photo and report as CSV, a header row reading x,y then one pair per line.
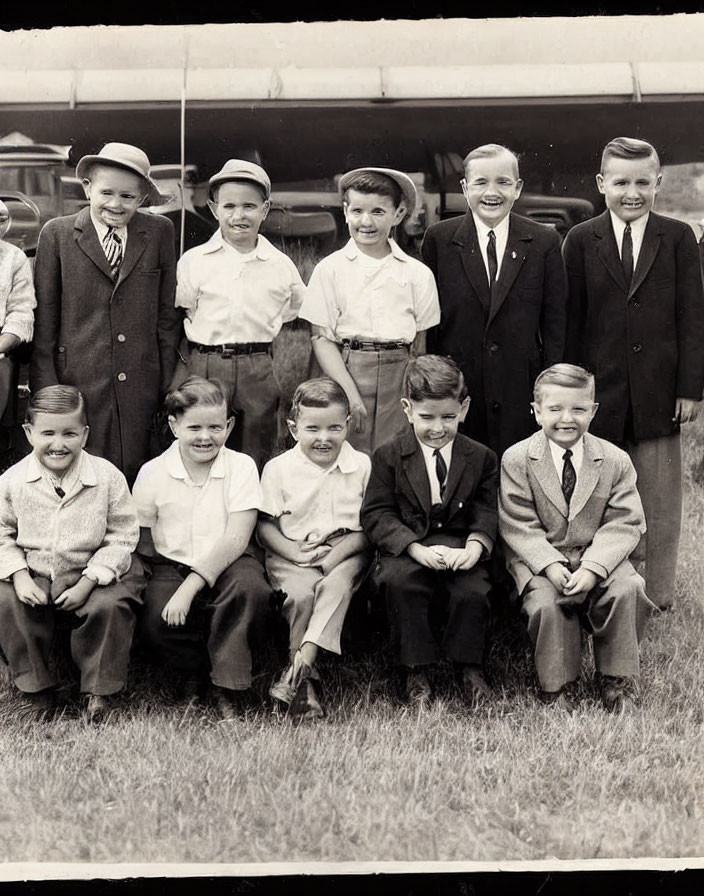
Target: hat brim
x,y
406,185
216,180
153,197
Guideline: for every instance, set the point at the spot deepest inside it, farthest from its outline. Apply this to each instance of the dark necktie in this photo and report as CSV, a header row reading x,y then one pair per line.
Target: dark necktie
x,y
627,254
491,258
112,246
440,470
569,477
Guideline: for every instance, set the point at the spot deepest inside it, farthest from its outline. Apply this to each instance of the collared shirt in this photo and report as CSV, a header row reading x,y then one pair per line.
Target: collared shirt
x,y
311,502
349,299
501,233
17,300
558,457
234,297
187,519
430,464
637,233
92,529
102,230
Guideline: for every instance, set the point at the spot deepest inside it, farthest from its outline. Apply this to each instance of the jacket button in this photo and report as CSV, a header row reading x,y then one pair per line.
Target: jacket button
x,y
634,303
121,337
122,377
496,405
493,347
637,347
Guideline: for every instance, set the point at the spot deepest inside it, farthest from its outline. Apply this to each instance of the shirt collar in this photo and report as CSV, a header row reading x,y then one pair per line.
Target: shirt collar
x,y
263,250
348,460
637,226
101,229
175,466
86,469
500,231
558,453
352,250
445,451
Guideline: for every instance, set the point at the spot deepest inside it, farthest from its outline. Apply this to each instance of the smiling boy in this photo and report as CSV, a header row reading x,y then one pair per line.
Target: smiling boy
x,y
237,291
636,320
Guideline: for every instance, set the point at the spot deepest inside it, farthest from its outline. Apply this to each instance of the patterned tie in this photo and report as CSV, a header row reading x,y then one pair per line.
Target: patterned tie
x,y
627,254
491,258
569,477
112,245
440,470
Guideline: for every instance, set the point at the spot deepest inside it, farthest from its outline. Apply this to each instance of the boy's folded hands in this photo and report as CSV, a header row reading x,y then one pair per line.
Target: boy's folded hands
x,y
75,596
440,556
27,589
574,587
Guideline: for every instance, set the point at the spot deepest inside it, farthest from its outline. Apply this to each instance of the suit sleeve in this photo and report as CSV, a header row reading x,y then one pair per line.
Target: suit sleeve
x,y
47,314
690,319
429,255
573,255
170,317
483,521
380,516
554,308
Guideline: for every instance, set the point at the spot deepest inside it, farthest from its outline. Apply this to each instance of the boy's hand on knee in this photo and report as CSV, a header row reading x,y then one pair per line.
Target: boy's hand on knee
x,y
427,556
686,410
177,607
466,557
578,586
75,596
559,576
27,589
312,553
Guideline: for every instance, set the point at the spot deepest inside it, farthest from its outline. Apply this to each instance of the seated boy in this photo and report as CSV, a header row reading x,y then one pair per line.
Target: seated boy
x,y
315,548
238,290
68,527
197,505
430,510
570,516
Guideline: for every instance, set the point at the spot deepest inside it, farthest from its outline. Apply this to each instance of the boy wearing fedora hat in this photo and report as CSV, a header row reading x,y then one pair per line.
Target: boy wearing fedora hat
x,y
237,290
105,319
369,302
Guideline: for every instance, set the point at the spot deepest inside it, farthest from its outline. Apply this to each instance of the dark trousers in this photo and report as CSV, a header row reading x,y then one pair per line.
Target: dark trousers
x,y
434,614
222,626
100,639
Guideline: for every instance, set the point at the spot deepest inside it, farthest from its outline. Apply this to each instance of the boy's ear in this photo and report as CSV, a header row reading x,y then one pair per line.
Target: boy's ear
x,y
229,426
595,408
535,408
292,428
600,182
85,436
400,214
345,208
266,208
464,407
213,206
28,433
172,423
407,409
519,187
86,186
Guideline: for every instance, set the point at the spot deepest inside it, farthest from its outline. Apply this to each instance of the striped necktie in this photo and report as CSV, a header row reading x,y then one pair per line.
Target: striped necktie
x,y
569,476
112,246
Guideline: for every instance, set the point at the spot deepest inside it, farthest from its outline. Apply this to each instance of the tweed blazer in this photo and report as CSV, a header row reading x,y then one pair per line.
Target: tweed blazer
x,y
604,522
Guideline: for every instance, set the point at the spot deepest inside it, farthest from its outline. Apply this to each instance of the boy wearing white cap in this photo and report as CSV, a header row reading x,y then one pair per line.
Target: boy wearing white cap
x,y
369,302
105,320
237,291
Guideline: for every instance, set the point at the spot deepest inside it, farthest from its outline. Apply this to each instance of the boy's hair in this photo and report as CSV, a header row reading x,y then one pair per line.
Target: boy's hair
x,y
55,400
490,151
433,377
568,375
374,182
628,148
195,390
320,392
215,191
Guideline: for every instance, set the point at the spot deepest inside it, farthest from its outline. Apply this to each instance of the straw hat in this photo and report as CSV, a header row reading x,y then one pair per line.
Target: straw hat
x,y
239,169
123,155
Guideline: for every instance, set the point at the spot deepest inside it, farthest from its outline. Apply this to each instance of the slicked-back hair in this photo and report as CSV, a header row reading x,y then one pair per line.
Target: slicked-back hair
x,y
374,182
56,399
321,392
628,148
435,378
570,376
195,391
490,151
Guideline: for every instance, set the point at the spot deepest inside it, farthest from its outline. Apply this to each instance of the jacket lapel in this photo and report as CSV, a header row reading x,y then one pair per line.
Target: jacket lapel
x,y
465,239
648,251
458,464
86,236
588,476
414,467
515,254
607,250
136,243
545,472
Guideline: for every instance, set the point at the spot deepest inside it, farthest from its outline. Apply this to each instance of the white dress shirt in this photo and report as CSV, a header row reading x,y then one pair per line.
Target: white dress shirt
x,y
501,234
430,464
637,234
558,455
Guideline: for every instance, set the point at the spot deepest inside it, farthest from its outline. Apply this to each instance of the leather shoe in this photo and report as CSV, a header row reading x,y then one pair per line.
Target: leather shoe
x,y
619,692
227,702
306,705
37,707
97,707
475,689
418,690
558,699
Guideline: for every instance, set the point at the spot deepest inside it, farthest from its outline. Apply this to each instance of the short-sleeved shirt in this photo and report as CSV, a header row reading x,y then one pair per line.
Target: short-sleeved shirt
x,y
187,519
311,502
352,300
234,297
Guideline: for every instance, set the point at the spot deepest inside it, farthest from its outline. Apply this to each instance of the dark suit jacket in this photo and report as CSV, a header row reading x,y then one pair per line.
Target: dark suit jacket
x,y
396,510
115,341
644,344
503,342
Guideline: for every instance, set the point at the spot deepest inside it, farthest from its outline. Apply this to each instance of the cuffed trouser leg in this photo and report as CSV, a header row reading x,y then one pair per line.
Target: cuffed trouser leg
x,y
555,633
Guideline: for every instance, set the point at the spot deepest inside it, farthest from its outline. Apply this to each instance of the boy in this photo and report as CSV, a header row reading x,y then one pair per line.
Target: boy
x,y
237,290
197,506
502,295
430,510
636,320
570,517
68,528
105,318
369,303
315,548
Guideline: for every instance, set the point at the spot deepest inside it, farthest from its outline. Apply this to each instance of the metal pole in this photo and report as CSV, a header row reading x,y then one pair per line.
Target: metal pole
x,y
183,152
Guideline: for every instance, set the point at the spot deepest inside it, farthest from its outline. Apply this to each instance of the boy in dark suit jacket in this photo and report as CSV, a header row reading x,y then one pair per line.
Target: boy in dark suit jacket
x,y
502,298
636,320
105,321
430,510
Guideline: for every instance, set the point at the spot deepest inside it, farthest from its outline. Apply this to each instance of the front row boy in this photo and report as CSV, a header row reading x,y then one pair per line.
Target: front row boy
x,y
68,528
570,517
197,505
316,552
430,510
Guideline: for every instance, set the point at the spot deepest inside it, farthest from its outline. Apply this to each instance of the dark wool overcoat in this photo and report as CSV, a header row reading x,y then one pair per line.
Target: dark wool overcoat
x,y
116,340
645,344
501,341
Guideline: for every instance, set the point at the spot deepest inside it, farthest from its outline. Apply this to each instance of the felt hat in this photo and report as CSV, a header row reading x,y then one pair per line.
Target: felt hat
x,y
123,155
408,188
239,169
